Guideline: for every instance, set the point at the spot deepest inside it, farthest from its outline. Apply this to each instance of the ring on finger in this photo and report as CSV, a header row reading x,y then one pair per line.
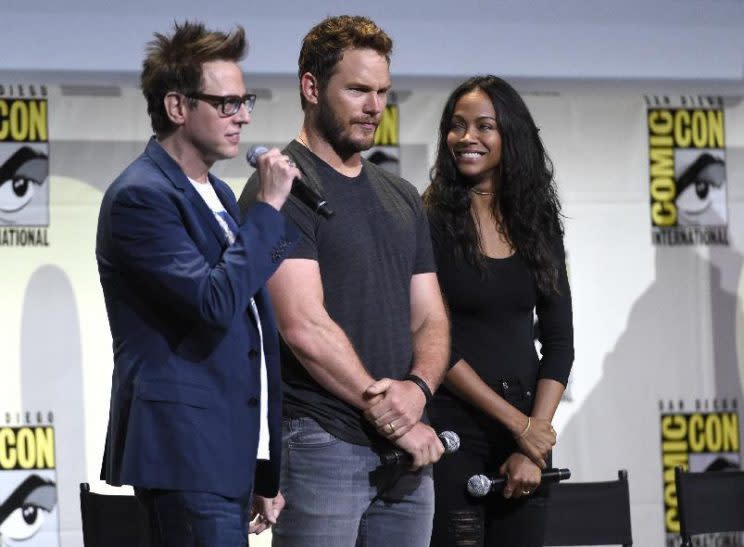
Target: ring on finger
x,y
390,428
526,492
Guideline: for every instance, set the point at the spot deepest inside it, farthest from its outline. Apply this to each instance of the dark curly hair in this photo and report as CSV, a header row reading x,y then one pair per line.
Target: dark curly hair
x,y
174,63
527,199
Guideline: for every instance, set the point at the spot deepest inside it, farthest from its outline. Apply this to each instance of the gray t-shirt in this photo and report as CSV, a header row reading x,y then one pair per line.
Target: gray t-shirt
x,y
368,253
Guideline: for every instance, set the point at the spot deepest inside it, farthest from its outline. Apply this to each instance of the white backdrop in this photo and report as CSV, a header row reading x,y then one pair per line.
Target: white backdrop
x,y
651,323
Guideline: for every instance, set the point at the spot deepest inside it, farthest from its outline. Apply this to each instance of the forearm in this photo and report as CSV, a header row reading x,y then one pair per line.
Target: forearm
x,y
547,397
534,435
431,343
320,344
466,384
429,329
329,357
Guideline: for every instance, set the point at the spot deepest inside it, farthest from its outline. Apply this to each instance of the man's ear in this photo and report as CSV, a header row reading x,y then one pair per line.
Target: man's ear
x,y
176,106
309,88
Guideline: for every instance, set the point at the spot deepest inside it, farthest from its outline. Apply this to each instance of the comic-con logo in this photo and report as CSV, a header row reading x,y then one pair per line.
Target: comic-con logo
x,y
28,490
705,440
24,170
687,171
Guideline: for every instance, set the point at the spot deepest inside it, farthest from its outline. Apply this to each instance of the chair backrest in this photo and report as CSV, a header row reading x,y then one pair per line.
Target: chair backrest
x,y
590,513
112,520
708,502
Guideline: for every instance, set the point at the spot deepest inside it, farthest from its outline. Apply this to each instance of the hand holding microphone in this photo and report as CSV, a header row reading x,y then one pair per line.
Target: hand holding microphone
x,y
276,173
271,164
417,448
482,485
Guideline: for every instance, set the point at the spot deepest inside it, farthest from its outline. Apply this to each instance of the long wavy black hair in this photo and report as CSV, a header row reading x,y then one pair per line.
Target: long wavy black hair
x,y
526,200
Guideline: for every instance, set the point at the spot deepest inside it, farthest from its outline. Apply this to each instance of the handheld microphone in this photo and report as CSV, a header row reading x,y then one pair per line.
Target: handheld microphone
x,y
300,190
482,485
398,456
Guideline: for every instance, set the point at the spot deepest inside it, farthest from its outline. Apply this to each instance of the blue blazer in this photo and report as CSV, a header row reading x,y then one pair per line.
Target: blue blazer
x,y
185,389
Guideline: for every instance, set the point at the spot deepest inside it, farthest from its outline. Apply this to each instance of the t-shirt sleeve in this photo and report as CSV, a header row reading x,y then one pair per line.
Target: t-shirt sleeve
x,y
555,326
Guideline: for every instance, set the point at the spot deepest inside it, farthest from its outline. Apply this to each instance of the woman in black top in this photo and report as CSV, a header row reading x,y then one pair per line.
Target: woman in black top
x,y
498,242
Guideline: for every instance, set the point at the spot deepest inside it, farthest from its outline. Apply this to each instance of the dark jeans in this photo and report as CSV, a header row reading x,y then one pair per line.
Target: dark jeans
x,y
338,496
194,519
461,520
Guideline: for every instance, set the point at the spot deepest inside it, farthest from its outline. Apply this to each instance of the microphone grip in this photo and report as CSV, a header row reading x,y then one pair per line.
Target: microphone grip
x,y
309,197
399,457
395,457
549,475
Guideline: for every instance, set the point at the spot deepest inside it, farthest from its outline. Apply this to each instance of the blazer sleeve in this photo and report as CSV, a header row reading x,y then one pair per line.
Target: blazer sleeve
x,y
152,242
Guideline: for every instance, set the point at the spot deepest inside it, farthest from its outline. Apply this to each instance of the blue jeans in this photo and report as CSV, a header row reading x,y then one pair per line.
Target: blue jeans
x,y
338,496
194,519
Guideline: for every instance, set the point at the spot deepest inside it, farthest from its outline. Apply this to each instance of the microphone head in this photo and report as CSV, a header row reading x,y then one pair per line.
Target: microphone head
x,y
479,486
254,153
450,441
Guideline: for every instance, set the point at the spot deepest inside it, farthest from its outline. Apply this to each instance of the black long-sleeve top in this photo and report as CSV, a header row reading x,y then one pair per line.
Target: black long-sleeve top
x,y
492,316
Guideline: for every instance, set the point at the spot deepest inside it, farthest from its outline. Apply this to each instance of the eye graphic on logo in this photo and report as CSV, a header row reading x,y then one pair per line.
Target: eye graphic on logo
x,y
19,175
698,185
23,513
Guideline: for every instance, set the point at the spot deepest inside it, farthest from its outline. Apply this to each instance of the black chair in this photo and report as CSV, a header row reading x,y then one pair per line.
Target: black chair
x,y
590,513
112,520
709,502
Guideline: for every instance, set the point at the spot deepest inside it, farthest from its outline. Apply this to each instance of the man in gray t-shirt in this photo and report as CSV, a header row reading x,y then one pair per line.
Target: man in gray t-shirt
x,y
359,308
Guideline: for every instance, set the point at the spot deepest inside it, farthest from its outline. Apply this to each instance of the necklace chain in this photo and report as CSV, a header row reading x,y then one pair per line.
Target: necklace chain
x,y
481,192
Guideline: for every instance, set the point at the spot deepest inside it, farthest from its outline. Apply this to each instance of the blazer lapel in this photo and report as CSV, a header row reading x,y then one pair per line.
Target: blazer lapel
x,y
176,175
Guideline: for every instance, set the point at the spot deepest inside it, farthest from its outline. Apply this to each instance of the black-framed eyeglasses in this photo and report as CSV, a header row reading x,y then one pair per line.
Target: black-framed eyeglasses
x,y
227,105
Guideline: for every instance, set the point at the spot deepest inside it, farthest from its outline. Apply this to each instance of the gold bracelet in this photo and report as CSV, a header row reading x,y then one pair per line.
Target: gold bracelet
x,y
526,429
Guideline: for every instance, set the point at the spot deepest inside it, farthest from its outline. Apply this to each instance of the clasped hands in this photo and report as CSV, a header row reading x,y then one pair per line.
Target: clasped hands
x,y
394,408
536,439
522,469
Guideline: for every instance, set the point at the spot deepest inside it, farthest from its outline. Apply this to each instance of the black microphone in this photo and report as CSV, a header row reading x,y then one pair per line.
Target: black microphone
x,y
398,456
300,190
482,485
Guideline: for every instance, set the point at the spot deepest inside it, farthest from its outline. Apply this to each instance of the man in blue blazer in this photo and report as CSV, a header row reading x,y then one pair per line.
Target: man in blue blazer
x,y
191,323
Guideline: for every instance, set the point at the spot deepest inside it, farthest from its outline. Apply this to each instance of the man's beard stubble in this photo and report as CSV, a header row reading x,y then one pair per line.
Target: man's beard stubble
x,y
331,128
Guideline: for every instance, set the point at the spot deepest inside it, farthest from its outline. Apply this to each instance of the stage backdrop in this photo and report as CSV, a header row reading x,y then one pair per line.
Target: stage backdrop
x,y
659,328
